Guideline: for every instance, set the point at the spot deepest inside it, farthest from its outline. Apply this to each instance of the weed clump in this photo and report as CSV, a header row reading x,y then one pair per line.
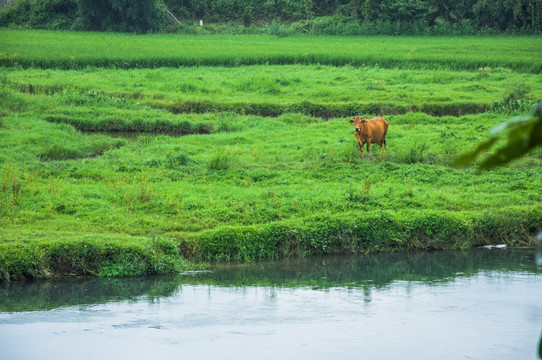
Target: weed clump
x,y
221,161
59,152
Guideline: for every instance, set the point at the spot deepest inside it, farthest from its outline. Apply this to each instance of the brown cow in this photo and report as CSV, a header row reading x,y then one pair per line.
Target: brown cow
x,y
369,132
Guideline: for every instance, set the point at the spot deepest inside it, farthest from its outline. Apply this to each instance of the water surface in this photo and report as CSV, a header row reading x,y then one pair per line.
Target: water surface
x,y
481,304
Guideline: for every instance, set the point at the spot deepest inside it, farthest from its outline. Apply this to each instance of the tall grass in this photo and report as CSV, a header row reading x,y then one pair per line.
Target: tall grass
x,y
71,50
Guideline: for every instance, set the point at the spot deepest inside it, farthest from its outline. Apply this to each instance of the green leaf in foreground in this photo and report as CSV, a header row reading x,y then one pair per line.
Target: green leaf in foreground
x,y
522,134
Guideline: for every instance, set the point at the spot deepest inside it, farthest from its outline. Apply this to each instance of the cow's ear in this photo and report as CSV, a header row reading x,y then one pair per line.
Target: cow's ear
x,y
351,120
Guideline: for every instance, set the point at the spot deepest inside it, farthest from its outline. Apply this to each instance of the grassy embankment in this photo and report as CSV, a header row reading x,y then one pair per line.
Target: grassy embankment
x,y
267,165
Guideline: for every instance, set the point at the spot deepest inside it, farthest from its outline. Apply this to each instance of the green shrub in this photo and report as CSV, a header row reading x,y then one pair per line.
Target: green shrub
x,y
278,29
140,16
43,14
54,14
17,14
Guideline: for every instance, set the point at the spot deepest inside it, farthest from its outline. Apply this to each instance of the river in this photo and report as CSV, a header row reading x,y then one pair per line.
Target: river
x,y
478,304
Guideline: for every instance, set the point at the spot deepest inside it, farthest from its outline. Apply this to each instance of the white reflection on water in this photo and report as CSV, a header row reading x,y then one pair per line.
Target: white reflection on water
x,y
492,315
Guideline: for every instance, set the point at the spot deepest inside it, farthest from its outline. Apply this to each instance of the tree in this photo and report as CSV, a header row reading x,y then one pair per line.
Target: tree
x,y
404,10
138,16
370,10
308,9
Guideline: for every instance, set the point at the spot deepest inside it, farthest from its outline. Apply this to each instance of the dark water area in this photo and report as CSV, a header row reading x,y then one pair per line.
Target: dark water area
x,y
479,304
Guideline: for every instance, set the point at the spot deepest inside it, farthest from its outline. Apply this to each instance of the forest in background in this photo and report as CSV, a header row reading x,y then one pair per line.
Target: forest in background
x,y
281,17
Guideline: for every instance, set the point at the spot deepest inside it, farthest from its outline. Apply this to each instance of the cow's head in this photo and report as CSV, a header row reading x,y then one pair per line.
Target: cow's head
x,y
357,122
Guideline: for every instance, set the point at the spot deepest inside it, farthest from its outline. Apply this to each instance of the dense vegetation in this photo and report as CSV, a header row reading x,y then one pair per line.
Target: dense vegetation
x,y
103,15
282,17
116,170
122,15
371,17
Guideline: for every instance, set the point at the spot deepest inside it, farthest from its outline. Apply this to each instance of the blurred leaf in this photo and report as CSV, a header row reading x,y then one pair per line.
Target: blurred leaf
x,y
510,123
469,158
523,133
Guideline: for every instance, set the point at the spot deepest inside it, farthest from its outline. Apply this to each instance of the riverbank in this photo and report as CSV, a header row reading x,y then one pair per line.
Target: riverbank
x,y
38,255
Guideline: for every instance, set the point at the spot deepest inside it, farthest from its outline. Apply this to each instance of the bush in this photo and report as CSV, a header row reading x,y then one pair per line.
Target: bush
x,y
516,100
54,14
329,25
44,14
140,16
17,14
280,30
242,16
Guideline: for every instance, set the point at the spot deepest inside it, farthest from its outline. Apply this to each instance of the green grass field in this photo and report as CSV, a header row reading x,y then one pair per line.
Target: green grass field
x,y
133,168
316,90
49,49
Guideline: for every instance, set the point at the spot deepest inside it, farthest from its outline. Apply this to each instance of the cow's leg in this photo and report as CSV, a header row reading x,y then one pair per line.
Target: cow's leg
x,y
360,145
369,149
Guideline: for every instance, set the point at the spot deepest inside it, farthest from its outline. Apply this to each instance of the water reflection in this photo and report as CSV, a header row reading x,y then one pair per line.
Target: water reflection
x,y
376,270
47,295
482,304
365,272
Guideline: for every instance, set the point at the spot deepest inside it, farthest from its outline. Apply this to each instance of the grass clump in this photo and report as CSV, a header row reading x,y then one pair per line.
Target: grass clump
x,y
88,255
